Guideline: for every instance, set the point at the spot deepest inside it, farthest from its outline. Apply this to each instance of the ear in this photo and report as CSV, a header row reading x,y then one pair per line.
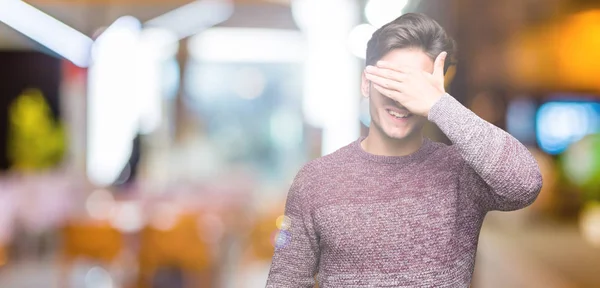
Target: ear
x,y
365,85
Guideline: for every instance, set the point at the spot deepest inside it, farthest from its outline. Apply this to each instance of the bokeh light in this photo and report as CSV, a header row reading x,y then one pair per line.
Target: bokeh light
x,y
589,223
100,204
358,39
561,123
281,238
581,163
380,12
283,222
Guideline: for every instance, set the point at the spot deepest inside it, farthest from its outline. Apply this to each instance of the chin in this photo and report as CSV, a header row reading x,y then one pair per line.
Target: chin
x,y
398,134
400,130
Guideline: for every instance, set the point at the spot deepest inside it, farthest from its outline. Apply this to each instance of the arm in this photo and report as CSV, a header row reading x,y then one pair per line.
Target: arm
x,y
296,257
497,166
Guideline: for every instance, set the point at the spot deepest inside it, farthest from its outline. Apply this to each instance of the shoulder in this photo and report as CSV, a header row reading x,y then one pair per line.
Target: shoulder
x,y
318,171
334,161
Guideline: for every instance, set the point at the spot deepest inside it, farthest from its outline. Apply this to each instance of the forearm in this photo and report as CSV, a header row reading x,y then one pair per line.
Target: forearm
x,y
498,158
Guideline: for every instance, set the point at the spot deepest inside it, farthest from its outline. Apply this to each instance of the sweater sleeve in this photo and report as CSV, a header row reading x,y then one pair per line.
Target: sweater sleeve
x,y
296,257
498,171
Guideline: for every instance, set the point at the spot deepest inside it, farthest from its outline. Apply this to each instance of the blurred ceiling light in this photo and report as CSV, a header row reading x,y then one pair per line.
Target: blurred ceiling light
x,y
358,39
159,42
381,12
254,45
125,29
124,93
194,17
330,100
155,47
113,118
46,30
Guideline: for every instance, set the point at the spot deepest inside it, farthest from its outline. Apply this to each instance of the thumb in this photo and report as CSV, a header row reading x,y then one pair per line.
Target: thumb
x,y
438,65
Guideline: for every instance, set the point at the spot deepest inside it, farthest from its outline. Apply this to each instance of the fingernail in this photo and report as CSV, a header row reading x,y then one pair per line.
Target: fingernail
x,y
370,68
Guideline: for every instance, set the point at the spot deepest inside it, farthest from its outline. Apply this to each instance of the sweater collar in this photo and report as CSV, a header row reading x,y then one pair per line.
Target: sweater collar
x,y
418,155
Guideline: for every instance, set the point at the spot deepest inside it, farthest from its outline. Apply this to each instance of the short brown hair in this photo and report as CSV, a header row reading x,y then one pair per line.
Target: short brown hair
x,y
411,30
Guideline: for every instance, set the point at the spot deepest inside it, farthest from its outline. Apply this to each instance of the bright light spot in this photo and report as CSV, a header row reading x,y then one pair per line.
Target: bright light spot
x,y
124,30
98,277
561,123
358,39
381,12
100,204
283,222
42,28
250,45
125,86
589,223
159,44
330,98
128,217
112,118
165,216
249,82
281,238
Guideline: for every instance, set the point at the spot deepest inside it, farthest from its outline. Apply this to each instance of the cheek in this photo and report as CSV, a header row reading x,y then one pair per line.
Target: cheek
x,y
379,99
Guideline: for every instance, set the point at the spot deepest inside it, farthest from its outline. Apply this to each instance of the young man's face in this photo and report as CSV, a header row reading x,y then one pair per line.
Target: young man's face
x,y
380,105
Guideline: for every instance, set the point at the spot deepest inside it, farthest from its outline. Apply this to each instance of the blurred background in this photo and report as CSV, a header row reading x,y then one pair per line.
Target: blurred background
x,y
149,143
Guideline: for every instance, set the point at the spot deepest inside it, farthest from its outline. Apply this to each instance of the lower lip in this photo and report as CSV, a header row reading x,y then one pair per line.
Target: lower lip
x,y
399,120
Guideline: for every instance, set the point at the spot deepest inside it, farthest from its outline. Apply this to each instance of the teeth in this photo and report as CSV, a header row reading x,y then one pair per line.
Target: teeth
x,y
397,115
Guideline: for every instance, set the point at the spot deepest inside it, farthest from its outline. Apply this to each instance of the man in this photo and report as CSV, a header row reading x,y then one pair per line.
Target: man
x,y
396,209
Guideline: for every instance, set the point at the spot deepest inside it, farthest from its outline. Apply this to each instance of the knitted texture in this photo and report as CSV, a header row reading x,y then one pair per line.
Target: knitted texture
x,y
356,219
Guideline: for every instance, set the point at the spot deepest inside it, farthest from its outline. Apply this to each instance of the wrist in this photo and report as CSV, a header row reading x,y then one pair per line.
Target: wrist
x,y
434,100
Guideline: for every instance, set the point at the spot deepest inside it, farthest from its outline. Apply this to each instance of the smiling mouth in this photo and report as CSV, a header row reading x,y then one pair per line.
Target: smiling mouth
x,y
399,115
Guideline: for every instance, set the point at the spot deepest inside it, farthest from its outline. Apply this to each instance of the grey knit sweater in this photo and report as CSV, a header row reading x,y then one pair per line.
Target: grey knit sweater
x,y
356,219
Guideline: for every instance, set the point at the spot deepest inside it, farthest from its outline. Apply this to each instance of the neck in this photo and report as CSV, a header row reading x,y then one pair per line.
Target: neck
x,y
381,144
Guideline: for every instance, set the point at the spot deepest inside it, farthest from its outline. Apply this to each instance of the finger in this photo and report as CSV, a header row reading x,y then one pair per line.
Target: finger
x,y
395,67
392,94
387,73
384,82
438,66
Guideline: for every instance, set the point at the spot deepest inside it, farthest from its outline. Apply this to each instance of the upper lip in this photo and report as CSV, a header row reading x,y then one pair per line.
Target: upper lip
x,y
399,111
